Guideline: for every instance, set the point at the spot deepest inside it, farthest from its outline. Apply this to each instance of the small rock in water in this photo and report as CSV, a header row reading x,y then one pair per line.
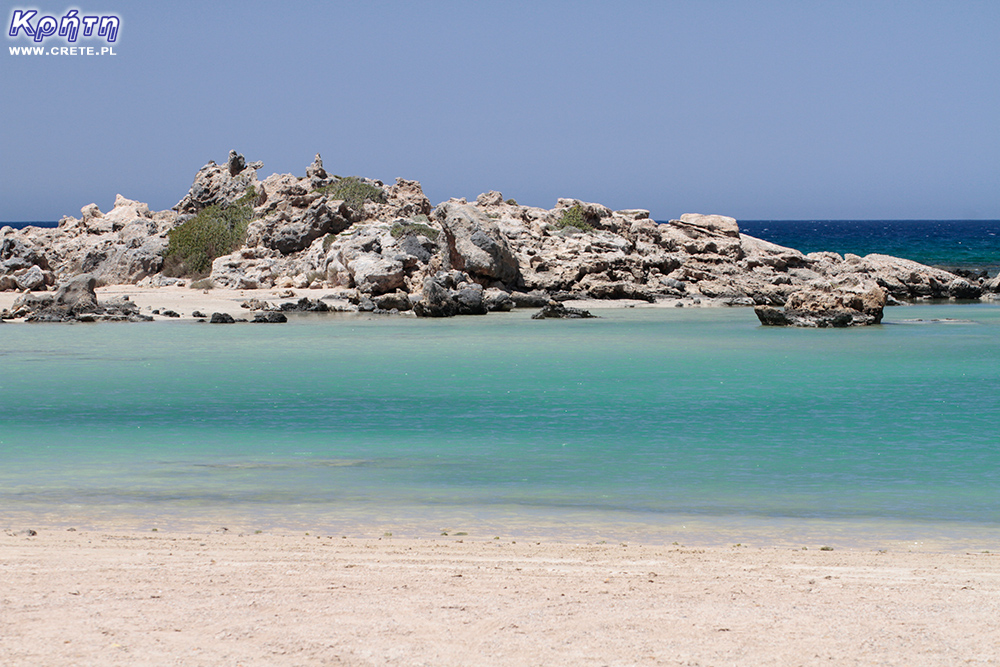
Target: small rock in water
x,y
198,313
556,310
269,317
222,318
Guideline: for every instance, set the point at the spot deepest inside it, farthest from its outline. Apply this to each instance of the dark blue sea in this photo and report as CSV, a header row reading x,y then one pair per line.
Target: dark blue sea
x,y
964,244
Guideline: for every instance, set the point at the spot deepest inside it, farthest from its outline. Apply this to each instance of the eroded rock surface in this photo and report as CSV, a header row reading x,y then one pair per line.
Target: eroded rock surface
x,y
815,308
393,251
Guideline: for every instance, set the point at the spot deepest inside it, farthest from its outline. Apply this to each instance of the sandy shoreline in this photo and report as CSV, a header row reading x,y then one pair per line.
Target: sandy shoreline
x,y
106,593
223,598
185,301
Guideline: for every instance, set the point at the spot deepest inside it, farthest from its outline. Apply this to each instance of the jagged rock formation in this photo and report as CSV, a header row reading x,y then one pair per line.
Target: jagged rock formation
x,y
814,308
74,301
554,310
391,250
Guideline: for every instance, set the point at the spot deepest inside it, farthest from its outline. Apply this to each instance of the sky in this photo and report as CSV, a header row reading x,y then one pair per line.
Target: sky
x,y
758,110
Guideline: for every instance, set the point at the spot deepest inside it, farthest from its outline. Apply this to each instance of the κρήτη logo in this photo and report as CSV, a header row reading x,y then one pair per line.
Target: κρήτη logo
x,y
70,26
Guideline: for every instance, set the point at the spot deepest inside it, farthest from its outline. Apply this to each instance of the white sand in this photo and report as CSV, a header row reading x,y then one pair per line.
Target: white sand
x,y
184,300
101,598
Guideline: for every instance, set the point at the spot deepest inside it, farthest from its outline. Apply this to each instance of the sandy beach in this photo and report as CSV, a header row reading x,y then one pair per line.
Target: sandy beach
x,y
221,598
106,593
185,301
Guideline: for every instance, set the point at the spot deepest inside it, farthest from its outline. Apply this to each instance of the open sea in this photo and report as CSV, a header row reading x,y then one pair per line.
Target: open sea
x,y
652,425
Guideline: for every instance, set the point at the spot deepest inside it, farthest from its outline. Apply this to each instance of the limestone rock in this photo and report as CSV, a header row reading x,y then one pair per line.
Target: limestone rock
x,y
75,301
305,305
248,268
450,293
476,246
375,274
398,300
20,253
814,308
460,257
497,300
269,317
218,184
406,199
556,310
316,173
992,286
31,279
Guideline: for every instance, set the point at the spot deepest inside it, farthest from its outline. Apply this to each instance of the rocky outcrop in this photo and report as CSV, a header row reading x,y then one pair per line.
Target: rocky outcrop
x,y
122,246
450,293
558,311
991,288
216,184
815,308
387,249
74,301
476,245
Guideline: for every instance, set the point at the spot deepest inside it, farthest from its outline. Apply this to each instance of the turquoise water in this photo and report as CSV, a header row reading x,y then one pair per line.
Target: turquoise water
x,y
693,424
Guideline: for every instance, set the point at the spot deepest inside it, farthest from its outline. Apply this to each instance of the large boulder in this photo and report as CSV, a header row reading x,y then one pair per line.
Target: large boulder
x,y
476,245
450,293
992,285
375,274
816,308
32,279
78,295
406,199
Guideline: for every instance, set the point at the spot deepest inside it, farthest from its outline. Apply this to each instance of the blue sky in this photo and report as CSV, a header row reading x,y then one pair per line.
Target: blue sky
x,y
758,110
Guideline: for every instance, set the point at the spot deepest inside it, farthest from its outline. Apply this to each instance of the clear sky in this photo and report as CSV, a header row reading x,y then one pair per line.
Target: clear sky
x,y
754,109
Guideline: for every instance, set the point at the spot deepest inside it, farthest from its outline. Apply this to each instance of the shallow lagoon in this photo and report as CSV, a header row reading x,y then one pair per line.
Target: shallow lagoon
x,y
695,425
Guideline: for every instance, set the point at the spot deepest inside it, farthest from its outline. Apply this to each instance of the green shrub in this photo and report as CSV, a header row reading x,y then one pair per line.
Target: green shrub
x,y
213,232
512,202
401,229
354,192
573,217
